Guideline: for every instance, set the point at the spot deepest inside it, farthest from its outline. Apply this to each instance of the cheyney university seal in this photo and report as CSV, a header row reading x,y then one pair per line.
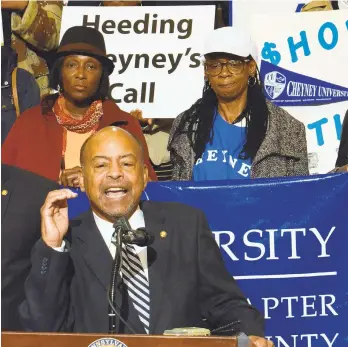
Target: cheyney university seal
x,y
107,342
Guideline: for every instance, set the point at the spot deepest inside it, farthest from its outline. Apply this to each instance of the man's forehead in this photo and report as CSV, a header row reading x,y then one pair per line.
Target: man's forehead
x,y
118,145
106,145
111,136
110,141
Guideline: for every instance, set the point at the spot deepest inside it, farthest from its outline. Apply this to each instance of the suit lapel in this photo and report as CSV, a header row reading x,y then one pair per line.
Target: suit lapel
x,y
92,248
88,240
157,259
5,199
97,256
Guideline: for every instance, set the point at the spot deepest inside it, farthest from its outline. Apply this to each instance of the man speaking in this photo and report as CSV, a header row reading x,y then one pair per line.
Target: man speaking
x,y
178,280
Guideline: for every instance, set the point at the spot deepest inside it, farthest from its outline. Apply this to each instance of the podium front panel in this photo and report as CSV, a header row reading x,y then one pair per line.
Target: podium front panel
x,y
18,339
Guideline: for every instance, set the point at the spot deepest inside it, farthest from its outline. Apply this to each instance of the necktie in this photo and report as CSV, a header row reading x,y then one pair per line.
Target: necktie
x,y
137,284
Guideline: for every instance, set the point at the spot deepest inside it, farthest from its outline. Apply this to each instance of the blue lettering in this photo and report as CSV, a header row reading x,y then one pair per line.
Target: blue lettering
x,y
270,53
293,47
334,33
338,126
299,7
318,130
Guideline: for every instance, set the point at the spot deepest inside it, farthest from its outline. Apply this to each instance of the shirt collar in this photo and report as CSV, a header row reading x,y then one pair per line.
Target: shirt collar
x,y
240,121
136,221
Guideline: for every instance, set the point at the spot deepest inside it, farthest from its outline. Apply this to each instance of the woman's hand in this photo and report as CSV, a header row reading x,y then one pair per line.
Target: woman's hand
x,y
144,122
342,168
71,177
152,124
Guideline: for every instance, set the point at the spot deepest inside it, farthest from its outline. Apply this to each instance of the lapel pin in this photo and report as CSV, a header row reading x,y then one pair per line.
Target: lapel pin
x,y
163,234
4,192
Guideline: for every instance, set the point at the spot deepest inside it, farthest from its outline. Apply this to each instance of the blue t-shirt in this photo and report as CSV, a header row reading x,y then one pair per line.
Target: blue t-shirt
x,y
220,159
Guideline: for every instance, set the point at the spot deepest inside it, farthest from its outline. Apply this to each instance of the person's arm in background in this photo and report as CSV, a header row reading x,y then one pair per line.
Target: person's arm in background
x,y
225,10
28,90
152,124
342,157
339,169
9,149
36,22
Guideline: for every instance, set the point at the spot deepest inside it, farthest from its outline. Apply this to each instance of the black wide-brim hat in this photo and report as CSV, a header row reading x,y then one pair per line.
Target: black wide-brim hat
x,y
82,40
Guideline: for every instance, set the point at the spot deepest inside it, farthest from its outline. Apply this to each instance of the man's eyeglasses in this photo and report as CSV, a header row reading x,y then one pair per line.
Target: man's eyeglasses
x,y
235,67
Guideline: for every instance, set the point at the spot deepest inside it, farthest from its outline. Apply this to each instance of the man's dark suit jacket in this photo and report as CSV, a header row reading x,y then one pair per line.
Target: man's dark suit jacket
x,y
23,194
342,158
187,277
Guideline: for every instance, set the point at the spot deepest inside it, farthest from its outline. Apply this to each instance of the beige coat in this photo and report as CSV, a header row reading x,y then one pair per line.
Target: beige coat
x,y
35,32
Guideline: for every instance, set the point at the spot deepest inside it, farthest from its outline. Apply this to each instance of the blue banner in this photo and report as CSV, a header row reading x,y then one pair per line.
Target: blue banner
x,y
287,88
285,241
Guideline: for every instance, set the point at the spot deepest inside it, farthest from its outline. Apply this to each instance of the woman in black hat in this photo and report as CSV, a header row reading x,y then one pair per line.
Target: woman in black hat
x,y
47,139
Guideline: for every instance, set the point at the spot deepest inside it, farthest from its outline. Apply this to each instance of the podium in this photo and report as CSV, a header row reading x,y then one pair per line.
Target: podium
x,y
19,339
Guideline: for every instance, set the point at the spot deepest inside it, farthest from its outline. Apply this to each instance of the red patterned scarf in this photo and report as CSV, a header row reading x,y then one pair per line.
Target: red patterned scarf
x,y
89,122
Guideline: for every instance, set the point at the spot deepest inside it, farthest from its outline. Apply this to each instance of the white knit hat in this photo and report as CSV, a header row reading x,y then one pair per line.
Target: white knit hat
x,y
230,40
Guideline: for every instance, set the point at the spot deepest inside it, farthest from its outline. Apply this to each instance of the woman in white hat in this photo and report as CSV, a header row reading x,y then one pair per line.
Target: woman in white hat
x,y
233,131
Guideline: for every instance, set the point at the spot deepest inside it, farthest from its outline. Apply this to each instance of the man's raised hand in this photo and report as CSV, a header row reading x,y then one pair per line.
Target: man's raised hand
x,y
54,216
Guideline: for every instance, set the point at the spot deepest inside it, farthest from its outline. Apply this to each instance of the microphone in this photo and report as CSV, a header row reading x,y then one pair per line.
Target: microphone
x,y
139,237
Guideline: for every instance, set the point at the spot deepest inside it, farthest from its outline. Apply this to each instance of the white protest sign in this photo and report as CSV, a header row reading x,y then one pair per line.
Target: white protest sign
x,y
156,51
309,54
